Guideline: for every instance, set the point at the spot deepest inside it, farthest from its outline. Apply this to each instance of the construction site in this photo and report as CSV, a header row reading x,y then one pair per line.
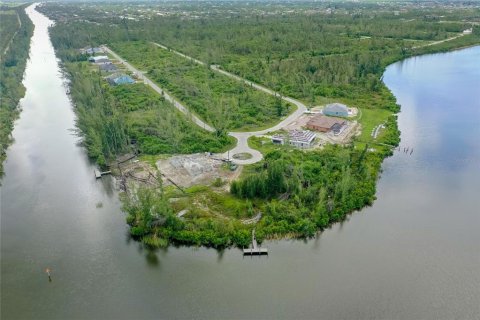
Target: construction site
x,y
181,171
195,169
344,135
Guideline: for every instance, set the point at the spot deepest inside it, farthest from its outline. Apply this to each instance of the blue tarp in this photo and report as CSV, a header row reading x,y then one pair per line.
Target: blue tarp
x,y
122,79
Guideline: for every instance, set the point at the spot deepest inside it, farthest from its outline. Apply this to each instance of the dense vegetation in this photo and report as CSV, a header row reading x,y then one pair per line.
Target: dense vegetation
x,y
153,220
110,119
339,53
339,56
99,120
296,193
159,128
16,30
219,100
320,189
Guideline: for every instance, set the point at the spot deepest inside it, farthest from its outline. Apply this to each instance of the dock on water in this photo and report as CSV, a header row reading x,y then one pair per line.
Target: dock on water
x,y
255,250
99,174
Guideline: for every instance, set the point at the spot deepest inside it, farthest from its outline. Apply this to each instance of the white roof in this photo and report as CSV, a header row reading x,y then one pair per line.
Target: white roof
x,y
336,107
99,58
302,136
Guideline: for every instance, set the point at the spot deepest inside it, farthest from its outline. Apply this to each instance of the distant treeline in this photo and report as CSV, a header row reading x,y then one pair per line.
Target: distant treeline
x,y
339,56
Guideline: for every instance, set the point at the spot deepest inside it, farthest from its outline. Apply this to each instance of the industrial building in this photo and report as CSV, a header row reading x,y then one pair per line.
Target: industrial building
x,y
336,110
91,50
99,59
107,67
297,138
326,124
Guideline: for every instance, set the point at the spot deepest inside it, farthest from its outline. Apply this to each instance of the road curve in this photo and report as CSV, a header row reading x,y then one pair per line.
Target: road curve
x,y
242,137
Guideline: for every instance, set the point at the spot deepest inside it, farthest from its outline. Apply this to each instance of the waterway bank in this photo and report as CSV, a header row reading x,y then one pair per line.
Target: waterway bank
x,y
413,254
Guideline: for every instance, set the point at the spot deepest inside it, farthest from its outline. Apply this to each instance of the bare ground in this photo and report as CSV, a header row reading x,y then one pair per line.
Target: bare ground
x,y
196,169
344,137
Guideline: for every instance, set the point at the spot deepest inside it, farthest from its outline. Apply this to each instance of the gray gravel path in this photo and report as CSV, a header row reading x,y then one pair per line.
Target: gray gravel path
x,y
242,137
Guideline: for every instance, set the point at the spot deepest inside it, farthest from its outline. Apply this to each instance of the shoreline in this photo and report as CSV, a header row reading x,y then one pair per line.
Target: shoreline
x,y
339,216
298,236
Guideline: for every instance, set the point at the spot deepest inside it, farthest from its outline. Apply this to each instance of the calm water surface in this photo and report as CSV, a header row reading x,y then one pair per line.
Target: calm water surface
x,y
414,254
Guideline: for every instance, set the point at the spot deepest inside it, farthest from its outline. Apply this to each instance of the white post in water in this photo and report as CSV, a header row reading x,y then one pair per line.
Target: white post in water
x,y
47,271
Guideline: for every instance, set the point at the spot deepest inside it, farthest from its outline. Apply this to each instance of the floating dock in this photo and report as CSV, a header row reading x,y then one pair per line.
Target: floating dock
x,y
99,174
255,250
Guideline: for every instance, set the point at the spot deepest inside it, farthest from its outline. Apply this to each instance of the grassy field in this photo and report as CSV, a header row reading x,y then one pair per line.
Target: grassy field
x,y
8,26
210,202
369,119
219,100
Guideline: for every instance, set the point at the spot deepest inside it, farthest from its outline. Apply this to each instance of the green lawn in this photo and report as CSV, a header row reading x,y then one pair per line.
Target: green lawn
x,y
369,119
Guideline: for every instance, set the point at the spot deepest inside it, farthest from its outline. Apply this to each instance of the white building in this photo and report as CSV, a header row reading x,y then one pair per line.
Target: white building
x,y
99,59
91,50
298,138
336,110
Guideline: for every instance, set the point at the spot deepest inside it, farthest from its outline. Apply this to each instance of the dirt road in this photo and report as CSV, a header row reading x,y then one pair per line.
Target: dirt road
x,y
440,41
242,137
177,104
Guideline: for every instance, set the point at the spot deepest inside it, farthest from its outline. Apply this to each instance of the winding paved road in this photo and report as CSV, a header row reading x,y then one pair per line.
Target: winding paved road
x,y
242,137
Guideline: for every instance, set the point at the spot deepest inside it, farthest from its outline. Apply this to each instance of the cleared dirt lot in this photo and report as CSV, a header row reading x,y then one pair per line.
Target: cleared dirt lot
x,y
194,169
345,136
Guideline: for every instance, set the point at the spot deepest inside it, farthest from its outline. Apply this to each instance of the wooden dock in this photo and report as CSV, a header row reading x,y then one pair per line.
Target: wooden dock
x,y
255,250
99,174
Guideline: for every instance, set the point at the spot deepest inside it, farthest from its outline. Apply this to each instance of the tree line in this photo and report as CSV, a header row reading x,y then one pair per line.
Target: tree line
x,y
338,56
12,66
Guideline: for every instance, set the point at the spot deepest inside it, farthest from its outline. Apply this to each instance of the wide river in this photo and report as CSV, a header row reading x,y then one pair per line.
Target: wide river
x,y
414,255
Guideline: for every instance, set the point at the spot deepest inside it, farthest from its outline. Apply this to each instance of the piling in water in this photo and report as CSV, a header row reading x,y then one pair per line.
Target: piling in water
x,y
47,271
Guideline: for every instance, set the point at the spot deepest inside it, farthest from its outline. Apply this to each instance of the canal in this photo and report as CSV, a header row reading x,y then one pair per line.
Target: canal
x,y
414,254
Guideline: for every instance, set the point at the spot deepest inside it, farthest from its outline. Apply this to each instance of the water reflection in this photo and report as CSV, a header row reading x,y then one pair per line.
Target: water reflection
x,y
152,258
413,254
